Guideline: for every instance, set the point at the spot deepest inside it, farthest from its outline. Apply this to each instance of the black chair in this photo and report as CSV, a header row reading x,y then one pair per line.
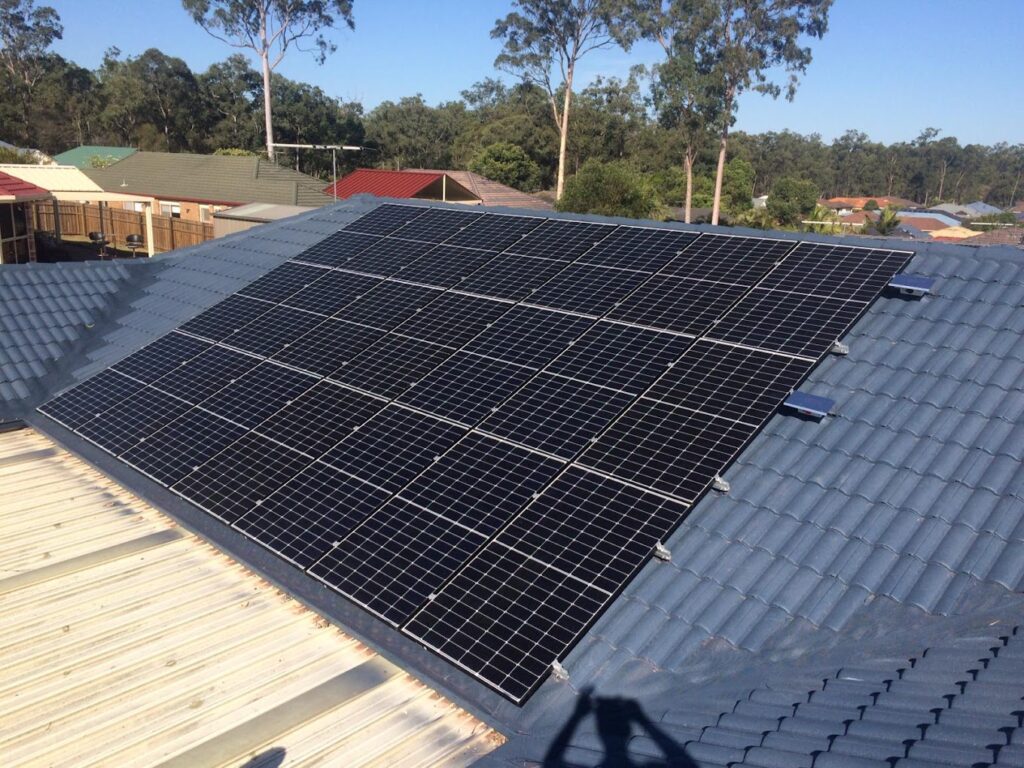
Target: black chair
x,y
100,241
134,242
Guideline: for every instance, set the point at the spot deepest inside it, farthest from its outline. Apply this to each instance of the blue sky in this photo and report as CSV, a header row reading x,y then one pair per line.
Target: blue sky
x,y
886,67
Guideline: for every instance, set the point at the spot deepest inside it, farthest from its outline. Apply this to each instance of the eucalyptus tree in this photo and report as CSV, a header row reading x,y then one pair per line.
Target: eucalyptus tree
x,y
270,28
543,42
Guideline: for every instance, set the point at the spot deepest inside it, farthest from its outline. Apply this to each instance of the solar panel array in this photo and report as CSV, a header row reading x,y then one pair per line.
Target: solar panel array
x,y
478,426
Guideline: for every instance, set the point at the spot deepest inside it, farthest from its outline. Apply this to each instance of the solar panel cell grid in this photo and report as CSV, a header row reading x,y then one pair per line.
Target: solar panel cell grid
x,y
495,232
163,355
316,420
529,336
787,322
303,519
619,356
221,320
445,266
589,289
453,319
730,259
837,271
595,528
556,415
733,382
436,225
398,557
128,421
677,304
511,277
202,376
281,282
388,304
182,446
272,331
82,403
506,618
387,256
393,447
481,482
385,219
642,249
561,240
328,346
332,292
258,393
229,484
391,365
465,387
667,449
336,249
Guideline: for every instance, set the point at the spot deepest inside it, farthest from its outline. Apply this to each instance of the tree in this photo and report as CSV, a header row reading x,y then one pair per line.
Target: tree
x,y
270,28
871,205
887,221
610,189
738,44
508,164
541,34
792,200
26,32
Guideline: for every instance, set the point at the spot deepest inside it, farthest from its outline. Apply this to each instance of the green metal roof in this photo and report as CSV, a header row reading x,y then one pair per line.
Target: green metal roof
x,y
220,179
84,156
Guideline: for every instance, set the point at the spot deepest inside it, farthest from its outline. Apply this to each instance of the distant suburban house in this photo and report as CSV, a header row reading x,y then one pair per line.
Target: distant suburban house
x,y
851,204
967,210
93,156
194,187
954,234
17,244
36,155
925,223
442,185
1001,236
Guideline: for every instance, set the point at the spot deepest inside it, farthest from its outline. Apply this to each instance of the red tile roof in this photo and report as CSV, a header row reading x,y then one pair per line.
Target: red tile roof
x,y
859,202
382,183
14,190
494,193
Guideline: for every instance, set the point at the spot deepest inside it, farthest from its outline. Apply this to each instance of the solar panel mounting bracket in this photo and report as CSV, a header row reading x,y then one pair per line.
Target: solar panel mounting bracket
x,y
813,406
912,285
662,552
720,484
839,348
560,673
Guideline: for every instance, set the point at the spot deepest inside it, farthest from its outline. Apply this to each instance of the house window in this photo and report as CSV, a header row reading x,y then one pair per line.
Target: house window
x,y
171,209
16,243
205,214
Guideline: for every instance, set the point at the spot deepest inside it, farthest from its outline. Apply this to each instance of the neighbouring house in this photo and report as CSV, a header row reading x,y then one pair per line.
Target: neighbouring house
x,y
195,187
967,210
243,217
953,234
36,155
857,203
1001,236
444,186
17,238
93,156
850,595
928,220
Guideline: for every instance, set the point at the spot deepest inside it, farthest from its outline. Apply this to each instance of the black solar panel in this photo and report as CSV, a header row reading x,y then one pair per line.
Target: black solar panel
x,y
336,249
304,518
385,219
529,336
332,292
518,409
445,266
221,320
619,356
677,304
728,258
466,387
556,415
162,356
495,231
643,249
318,419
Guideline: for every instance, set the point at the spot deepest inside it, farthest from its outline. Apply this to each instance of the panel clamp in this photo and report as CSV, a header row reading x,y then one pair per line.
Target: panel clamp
x,y
560,673
662,552
720,484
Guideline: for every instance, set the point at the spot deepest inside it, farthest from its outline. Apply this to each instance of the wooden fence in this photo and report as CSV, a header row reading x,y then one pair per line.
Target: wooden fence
x,y
79,219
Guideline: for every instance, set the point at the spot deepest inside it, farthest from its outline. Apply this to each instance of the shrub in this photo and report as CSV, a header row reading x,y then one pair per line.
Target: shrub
x,y
508,164
610,189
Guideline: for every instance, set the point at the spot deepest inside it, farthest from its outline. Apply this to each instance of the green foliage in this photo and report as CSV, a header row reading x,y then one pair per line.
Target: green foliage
x,y
738,186
887,221
1006,217
508,164
235,152
791,201
610,189
10,155
871,205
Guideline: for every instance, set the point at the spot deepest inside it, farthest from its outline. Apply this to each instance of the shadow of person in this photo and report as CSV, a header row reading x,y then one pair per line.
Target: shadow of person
x,y
271,758
616,718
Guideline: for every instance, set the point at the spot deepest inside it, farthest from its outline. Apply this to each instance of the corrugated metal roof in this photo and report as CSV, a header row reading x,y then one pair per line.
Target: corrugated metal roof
x,y
54,178
82,157
15,190
382,183
127,641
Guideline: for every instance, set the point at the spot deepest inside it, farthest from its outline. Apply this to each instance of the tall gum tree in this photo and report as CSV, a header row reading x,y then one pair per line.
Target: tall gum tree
x,y
739,43
541,36
270,28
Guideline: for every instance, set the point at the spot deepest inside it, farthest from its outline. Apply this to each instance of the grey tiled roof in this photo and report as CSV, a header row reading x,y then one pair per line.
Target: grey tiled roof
x,y
843,603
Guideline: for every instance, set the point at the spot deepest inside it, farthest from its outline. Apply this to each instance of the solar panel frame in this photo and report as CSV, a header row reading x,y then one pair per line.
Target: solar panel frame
x,y
391,365
272,331
824,270
132,419
643,249
206,373
224,318
677,304
511,277
161,356
495,231
258,393
282,281
388,304
328,346
388,256
385,219
332,292
445,266
561,239
587,288
77,405
336,249
453,319
436,225
737,259
529,336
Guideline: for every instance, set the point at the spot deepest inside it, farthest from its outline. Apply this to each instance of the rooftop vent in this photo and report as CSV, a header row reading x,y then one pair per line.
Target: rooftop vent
x,y
912,285
813,406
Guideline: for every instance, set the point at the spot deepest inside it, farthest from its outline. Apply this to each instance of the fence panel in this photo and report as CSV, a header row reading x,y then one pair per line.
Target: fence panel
x,y
79,219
